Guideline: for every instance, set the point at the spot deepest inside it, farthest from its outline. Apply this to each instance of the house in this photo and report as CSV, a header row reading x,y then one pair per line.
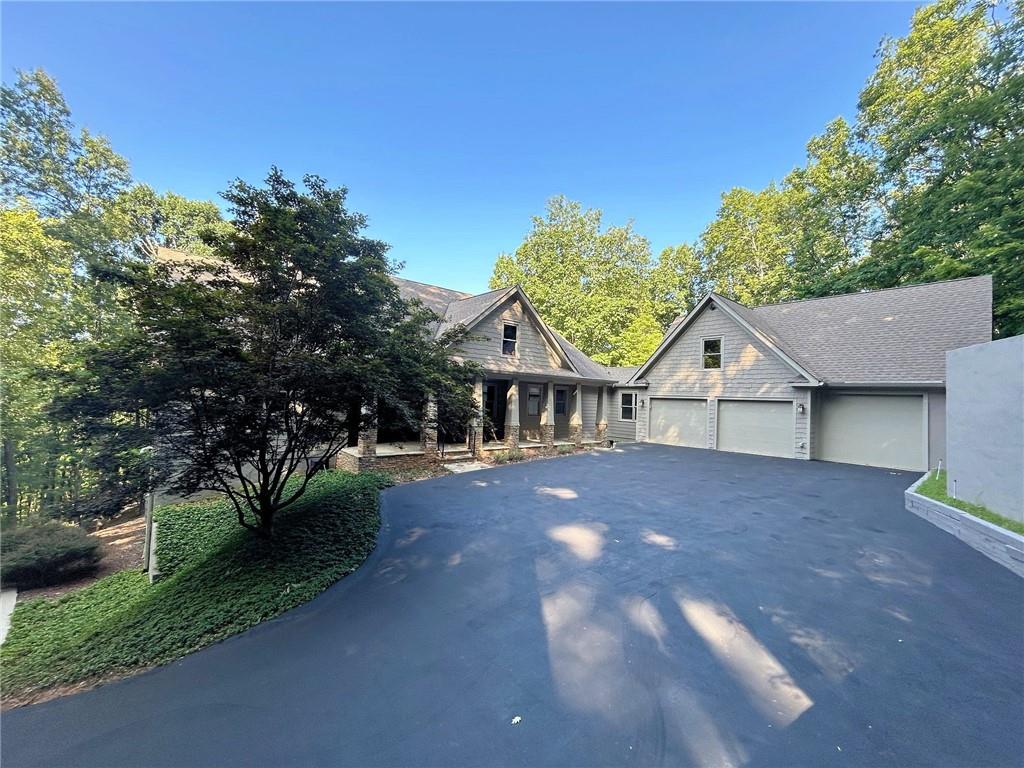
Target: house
x,y
857,378
537,391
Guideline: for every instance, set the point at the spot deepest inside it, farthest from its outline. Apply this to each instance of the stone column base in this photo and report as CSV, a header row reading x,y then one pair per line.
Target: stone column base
x,y
602,434
512,435
547,435
576,434
368,441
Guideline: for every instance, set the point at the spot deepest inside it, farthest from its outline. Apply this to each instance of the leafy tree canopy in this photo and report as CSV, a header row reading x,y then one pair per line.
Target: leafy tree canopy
x,y
244,365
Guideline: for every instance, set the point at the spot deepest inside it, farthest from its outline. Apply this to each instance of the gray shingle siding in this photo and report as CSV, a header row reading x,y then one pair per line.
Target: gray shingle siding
x,y
534,354
619,430
750,370
589,412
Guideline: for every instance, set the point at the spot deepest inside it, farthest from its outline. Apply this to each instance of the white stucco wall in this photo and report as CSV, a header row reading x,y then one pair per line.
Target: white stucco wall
x,y
985,425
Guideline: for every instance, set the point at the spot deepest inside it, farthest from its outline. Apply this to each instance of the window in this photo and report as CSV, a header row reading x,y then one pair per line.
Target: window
x,y
560,401
533,399
628,406
508,340
712,357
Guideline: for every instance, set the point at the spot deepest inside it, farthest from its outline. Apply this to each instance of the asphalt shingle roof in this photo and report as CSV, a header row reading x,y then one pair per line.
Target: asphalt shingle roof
x,y
433,297
621,373
895,335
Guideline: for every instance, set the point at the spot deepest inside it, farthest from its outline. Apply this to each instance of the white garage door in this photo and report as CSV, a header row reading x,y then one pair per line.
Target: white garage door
x,y
749,426
877,430
679,422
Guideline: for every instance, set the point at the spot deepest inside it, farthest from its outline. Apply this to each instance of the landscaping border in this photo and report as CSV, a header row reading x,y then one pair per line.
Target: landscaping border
x,y
999,544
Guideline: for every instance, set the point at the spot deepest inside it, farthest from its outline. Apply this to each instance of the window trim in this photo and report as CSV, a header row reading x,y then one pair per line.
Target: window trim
x,y
504,339
720,354
631,407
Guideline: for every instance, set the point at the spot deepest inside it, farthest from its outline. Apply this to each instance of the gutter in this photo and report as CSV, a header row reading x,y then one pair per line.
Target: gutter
x,y
881,384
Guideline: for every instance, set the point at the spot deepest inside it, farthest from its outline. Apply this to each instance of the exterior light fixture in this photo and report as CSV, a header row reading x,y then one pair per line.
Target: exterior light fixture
x,y
800,408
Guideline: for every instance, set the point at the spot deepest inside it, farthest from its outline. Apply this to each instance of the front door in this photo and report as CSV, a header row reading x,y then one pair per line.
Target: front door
x,y
495,403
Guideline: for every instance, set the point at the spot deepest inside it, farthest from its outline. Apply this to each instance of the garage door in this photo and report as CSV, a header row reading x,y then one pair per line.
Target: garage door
x,y
679,422
748,426
877,430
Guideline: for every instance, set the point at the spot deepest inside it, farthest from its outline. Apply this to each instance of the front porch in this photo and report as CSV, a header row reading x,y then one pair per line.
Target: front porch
x,y
527,413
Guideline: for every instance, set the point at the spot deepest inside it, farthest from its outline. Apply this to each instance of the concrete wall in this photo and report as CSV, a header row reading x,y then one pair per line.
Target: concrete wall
x,y
985,425
999,544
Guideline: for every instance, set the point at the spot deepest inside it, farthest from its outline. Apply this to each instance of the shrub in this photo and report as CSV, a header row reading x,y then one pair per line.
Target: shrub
x,y
509,456
564,449
46,554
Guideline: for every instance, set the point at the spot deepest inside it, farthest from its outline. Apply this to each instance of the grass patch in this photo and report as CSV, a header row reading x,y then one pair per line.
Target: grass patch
x,y
219,579
935,488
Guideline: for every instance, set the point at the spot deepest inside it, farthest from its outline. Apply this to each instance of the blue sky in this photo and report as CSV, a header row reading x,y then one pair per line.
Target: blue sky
x,y
451,124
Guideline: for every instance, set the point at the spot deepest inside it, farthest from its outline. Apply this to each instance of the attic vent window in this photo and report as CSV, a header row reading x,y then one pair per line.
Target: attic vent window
x,y
508,340
711,357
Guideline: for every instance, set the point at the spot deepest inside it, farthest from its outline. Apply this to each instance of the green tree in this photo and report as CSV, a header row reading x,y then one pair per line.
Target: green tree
x,y
834,210
244,365
677,283
68,201
36,315
946,109
589,284
747,249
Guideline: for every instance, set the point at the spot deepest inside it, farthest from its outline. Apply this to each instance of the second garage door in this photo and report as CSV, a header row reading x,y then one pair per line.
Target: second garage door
x,y
679,422
750,426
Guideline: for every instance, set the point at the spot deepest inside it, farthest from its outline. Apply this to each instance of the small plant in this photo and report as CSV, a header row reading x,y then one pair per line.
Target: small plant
x,y
46,554
510,456
566,449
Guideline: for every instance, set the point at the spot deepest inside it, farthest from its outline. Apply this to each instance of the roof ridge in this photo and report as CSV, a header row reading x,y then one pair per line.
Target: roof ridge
x,y
485,293
859,293
433,285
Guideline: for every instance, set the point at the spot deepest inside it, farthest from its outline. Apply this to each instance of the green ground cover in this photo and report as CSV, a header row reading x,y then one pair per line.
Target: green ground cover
x,y
217,580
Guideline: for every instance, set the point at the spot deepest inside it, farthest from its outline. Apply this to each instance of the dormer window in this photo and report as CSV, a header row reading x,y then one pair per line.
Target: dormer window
x,y
711,357
509,336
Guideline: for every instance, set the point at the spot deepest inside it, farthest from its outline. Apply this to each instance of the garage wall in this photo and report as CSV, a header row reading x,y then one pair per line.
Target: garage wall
x,y
619,430
749,370
936,428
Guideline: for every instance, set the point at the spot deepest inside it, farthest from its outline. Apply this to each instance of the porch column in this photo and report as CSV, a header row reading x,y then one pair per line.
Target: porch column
x,y
366,446
428,428
475,433
512,415
547,417
602,415
576,418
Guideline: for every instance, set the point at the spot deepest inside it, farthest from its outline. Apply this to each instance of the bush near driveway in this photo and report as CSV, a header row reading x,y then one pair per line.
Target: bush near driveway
x,y
935,488
46,554
218,579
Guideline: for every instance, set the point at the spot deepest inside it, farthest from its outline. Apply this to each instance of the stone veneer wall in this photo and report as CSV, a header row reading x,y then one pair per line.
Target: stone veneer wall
x,y
999,544
398,462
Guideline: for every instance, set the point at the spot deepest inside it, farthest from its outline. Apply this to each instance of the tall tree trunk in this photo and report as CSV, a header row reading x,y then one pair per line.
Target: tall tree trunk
x,y
11,470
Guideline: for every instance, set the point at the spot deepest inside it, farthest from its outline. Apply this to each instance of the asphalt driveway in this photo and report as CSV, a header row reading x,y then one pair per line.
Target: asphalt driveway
x,y
645,606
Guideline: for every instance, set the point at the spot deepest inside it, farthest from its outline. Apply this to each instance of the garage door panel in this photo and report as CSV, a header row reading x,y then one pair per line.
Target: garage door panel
x,y
761,427
876,430
679,422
